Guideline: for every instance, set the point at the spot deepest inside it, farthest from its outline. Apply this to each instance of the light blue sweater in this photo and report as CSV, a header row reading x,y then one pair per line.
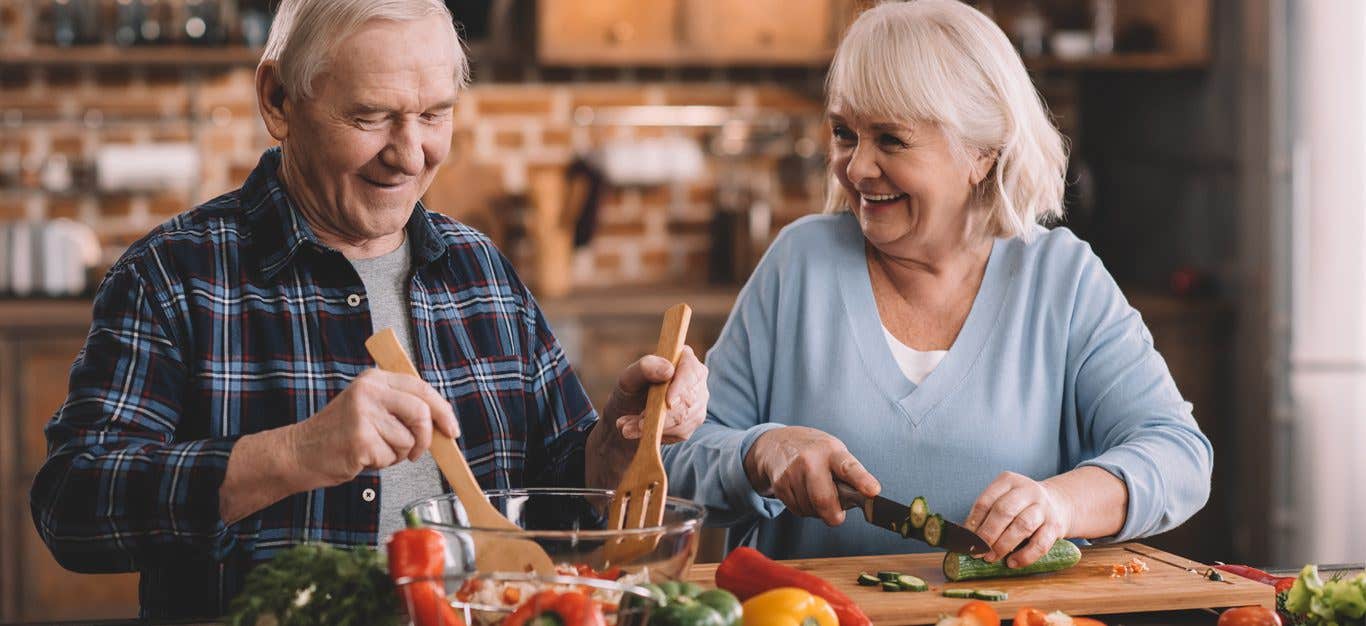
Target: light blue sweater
x,y
1052,369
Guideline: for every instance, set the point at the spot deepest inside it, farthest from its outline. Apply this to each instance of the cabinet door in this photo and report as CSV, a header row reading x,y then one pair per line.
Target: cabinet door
x,y
44,589
766,31
610,32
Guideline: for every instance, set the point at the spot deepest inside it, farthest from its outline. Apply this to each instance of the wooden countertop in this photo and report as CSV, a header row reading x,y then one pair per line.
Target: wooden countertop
x,y
28,314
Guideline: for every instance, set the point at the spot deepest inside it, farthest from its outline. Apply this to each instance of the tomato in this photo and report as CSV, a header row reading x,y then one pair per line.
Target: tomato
x,y
979,613
1250,616
1284,584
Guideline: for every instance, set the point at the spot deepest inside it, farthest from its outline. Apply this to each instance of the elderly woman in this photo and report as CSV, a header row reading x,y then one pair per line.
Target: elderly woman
x,y
928,337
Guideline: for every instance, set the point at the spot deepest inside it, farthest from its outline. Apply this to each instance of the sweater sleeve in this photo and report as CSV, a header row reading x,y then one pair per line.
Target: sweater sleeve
x,y
1129,412
709,466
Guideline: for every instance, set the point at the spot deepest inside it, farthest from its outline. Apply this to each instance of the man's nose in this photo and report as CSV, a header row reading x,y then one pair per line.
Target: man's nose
x,y
404,152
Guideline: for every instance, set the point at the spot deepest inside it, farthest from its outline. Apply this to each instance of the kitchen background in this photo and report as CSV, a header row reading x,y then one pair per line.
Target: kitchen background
x,y
631,154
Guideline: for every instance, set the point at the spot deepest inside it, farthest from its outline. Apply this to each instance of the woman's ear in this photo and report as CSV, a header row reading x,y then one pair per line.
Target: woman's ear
x,y
272,100
982,165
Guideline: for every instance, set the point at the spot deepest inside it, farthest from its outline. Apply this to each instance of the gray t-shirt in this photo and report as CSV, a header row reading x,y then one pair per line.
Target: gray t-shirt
x,y
386,291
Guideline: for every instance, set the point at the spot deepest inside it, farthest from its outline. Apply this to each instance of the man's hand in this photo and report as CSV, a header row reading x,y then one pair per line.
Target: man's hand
x,y
799,465
380,419
609,450
377,421
686,398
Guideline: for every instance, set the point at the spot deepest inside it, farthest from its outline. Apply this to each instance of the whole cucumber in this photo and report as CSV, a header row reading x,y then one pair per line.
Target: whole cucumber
x,y
1062,555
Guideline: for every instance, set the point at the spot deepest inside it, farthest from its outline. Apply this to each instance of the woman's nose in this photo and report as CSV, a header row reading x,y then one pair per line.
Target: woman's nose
x,y
862,165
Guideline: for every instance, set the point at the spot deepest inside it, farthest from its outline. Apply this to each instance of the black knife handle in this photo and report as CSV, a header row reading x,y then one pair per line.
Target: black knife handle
x,y
850,498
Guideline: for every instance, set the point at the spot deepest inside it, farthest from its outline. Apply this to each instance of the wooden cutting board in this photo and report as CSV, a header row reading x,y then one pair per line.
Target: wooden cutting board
x,y
1086,589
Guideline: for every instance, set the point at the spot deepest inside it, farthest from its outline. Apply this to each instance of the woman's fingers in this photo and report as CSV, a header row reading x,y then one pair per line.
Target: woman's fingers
x,y
1022,527
847,468
1038,545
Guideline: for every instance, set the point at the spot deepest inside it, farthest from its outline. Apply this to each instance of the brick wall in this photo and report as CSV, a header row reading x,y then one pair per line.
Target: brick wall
x,y
504,132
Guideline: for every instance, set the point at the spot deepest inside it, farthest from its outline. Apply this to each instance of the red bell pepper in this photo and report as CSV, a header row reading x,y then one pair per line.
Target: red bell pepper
x,y
554,608
746,573
420,553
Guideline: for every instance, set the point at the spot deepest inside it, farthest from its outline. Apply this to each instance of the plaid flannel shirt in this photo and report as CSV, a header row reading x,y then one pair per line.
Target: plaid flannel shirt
x,y
233,319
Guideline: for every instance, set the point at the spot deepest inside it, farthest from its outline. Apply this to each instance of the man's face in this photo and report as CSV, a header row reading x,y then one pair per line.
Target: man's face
x,y
365,147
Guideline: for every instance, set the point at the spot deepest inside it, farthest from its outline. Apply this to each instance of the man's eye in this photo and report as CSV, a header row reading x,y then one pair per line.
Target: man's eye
x,y
369,121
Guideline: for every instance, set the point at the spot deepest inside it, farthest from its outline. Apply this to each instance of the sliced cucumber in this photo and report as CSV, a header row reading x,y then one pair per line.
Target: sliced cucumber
x,y
1062,555
911,583
958,593
890,586
934,529
920,511
887,576
868,580
990,595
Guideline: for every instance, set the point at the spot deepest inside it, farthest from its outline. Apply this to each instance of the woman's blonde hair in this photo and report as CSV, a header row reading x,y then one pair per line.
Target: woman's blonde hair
x,y
945,63
304,33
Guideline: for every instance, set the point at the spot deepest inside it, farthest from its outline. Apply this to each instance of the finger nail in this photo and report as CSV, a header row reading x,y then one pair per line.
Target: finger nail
x,y
1013,563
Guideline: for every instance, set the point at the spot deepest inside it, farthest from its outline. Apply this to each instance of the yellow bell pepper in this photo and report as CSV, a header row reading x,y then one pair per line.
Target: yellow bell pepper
x,y
788,606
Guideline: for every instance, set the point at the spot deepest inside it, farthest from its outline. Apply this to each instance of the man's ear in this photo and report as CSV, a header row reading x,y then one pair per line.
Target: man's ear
x,y
272,100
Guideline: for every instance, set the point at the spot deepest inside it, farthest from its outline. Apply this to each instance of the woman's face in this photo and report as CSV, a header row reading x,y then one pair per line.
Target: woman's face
x,y
902,180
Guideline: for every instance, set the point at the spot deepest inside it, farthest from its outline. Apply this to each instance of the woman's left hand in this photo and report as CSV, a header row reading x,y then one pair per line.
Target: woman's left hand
x,y
1016,509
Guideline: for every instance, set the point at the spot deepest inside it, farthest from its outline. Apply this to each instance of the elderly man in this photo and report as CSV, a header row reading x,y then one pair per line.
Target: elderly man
x,y
224,406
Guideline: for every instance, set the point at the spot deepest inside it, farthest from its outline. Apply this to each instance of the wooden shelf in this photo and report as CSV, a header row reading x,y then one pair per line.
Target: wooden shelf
x,y
153,56
1135,62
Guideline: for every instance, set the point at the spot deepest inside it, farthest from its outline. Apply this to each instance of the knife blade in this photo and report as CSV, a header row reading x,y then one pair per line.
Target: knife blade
x,y
892,515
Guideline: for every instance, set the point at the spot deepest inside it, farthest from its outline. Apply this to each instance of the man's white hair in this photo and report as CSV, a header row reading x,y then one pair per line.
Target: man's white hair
x,y
305,32
945,63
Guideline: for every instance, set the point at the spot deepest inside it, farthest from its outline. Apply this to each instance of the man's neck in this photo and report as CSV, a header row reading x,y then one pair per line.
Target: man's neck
x,y
332,232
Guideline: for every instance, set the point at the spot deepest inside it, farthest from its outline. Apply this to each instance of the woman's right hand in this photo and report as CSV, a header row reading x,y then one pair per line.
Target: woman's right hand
x,y
799,466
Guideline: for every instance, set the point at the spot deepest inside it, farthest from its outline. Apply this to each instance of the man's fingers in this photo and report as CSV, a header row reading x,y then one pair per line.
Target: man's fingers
x,y
851,472
691,374
1038,545
630,426
441,414
638,377
395,435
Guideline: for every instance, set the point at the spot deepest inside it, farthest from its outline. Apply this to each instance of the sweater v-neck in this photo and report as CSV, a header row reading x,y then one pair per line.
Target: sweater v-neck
x,y
917,401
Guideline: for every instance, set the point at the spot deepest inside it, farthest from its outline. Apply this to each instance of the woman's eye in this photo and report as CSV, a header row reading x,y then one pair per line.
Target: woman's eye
x,y
843,135
892,141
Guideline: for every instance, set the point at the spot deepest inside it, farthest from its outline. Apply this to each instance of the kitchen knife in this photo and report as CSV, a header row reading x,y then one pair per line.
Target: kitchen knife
x,y
892,515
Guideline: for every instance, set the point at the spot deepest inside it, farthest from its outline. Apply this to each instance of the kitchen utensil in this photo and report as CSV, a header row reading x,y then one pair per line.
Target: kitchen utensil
x,y
492,553
640,495
571,525
1085,589
893,516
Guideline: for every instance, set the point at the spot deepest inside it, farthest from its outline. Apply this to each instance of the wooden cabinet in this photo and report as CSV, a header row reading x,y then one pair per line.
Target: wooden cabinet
x,y
765,31
38,342
689,32
611,32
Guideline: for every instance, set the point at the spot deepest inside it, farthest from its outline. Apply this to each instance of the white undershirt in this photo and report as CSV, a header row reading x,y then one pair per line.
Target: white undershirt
x,y
915,364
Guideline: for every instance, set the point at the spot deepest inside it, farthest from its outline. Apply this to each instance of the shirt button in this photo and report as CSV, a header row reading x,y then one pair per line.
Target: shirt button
x,y
353,299
368,495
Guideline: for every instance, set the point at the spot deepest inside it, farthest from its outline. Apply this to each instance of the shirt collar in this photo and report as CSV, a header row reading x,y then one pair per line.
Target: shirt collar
x,y
279,231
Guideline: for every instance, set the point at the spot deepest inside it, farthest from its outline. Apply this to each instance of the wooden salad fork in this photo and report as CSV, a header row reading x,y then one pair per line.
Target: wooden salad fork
x,y
639,498
492,553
